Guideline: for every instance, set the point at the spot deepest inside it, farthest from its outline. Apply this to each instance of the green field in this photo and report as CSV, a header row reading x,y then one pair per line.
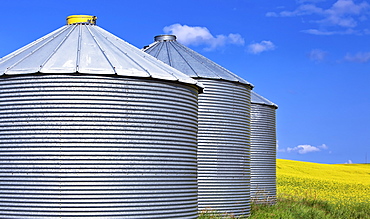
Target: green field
x,y
311,190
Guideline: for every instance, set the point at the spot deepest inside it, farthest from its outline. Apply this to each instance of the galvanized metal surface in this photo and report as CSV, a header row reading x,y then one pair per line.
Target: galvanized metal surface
x,y
171,52
84,146
165,37
263,150
224,132
87,49
258,99
223,147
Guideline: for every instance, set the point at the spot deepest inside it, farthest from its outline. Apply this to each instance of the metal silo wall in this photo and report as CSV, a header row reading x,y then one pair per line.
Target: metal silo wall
x,y
223,147
97,147
263,153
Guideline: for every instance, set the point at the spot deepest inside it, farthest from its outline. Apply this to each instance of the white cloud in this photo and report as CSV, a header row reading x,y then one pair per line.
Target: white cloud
x,y
318,32
256,48
323,146
367,31
303,1
317,55
272,14
304,149
305,9
348,162
361,57
236,39
189,35
328,33
278,149
342,14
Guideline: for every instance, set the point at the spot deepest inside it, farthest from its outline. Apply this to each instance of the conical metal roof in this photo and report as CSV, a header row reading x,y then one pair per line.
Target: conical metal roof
x,y
171,52
88,49
258,99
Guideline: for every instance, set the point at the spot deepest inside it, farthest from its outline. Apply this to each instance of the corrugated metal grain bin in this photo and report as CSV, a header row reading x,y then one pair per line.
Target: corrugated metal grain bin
x,y
92,127
263,150
224,132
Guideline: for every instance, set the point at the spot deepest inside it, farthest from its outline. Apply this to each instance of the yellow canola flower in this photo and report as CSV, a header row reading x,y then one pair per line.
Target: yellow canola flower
x,y
336,183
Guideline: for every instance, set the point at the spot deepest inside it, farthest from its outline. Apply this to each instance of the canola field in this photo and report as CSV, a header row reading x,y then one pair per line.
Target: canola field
x,y
340,184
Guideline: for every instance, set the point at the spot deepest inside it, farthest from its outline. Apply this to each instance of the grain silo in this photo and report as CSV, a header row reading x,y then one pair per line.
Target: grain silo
x,y
224,131
263,150
92,127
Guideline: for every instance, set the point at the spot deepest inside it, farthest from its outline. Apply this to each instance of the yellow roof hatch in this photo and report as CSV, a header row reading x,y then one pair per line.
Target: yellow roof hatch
x,y
81,19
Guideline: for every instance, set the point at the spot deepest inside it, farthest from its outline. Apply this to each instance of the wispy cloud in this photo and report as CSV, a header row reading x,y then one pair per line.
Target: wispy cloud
x,y
305,9
304,149
317,55
348,162
277,147
303,1
272,14
265,45
344,14
328,33
195,35
360,57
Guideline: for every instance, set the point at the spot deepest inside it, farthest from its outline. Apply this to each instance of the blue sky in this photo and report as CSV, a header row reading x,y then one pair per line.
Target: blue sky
x,y
311,57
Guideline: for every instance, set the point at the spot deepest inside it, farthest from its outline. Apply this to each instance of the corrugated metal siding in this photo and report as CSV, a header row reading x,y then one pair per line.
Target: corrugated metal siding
x,y
97,147
223,147
263,153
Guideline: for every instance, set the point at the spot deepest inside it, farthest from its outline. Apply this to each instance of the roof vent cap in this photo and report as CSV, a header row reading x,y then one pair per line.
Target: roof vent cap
x,y
82,19
164,38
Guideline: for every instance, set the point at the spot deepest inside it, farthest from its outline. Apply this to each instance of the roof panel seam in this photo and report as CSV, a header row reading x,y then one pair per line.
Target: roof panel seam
x,y
159,49
32,52
55,50
78,57
18,51
100,47
186,61
168,54
149,47
128,56
196,57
